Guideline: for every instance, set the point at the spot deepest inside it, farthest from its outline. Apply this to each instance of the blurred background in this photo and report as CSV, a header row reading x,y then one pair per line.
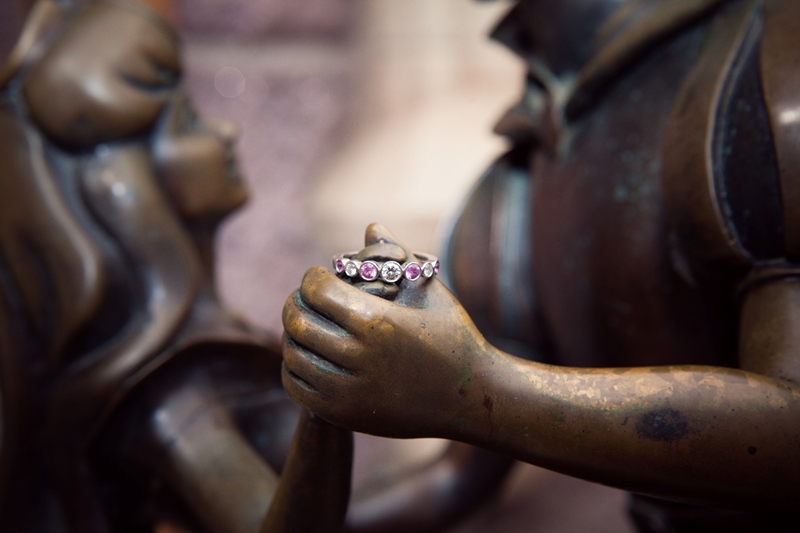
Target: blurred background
x,y
354,111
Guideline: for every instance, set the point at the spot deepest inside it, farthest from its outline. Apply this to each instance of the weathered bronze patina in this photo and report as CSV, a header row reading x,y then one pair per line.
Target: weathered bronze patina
x,y
132,400
636,250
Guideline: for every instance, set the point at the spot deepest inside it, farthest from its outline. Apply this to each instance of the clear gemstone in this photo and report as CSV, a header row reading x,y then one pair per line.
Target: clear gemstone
x,y
427,270
351,269
369,271
413,271
391,272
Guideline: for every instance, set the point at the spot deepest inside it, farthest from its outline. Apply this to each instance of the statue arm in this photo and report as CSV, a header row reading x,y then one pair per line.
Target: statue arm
x,y
698,434
193,444
317,472
702,434
186,436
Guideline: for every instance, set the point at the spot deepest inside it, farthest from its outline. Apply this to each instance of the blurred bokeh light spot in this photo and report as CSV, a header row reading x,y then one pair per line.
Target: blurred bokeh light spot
x,y
229,82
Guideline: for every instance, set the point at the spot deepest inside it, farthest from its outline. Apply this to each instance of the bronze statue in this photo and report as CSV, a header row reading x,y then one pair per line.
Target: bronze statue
x,y
132,400
626,274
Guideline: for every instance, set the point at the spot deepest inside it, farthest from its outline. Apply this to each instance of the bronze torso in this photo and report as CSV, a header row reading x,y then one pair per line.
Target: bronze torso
x,y
603,264
654,198
610,279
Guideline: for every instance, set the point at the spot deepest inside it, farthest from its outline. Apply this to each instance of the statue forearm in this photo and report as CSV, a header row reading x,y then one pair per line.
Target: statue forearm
x,y
695,433
317,472
191,441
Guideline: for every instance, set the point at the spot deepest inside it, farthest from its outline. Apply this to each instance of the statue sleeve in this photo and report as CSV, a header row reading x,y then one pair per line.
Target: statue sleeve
x,y
487,258
731,173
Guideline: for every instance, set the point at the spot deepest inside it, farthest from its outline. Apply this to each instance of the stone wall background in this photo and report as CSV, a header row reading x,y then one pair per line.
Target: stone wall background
x,y
354,111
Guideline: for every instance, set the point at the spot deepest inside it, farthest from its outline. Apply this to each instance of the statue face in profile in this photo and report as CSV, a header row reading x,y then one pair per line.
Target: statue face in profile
x,y
196,160
115,68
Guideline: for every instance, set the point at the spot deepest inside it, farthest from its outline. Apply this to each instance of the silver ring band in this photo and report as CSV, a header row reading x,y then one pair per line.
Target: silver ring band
x,y
425,267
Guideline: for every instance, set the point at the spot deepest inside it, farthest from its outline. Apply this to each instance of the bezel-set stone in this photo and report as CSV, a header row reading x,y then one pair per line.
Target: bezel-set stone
x,y
338,266
427,270
351,269
369,270
436,267
391,271
412,271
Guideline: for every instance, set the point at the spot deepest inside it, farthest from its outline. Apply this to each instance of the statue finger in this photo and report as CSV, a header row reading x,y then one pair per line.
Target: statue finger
x,y
378,234
319,335
326,406
299,389
381,289
311,376
312,367
341,303
382,251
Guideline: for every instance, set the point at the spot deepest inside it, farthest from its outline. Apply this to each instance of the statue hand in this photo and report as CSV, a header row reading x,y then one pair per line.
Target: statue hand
x,y
397,368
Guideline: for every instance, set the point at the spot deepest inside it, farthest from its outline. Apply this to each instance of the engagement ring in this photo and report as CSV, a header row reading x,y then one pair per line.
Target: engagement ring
x,y
425,267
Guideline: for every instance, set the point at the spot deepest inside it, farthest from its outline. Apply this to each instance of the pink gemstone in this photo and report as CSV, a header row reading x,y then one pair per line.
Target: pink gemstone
x,y
369,271
339,266
436,267
413,272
